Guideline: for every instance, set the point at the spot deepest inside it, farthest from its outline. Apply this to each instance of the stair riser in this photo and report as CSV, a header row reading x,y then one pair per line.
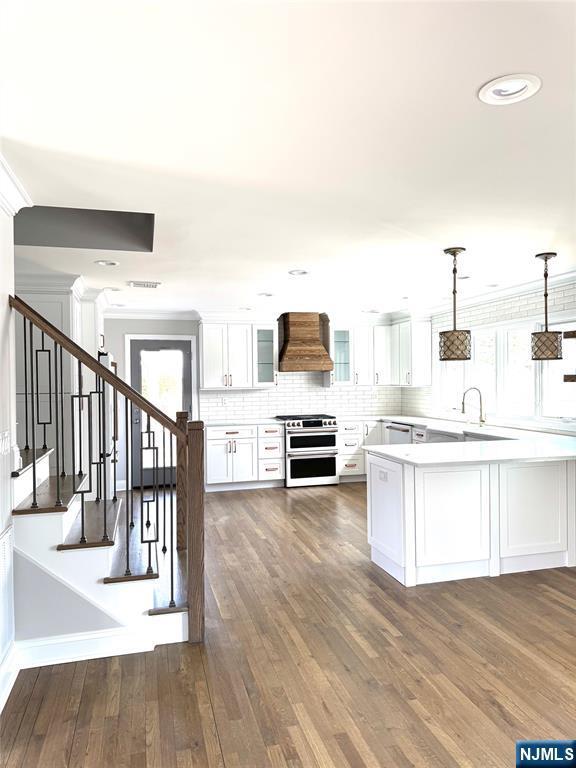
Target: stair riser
x,y
22,485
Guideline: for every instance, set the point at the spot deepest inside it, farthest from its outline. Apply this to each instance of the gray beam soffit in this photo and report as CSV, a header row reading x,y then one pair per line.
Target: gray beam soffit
x,y
55,227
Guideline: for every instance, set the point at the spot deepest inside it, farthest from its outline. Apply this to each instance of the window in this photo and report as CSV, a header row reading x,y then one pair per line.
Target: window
x,y
558,400
500,366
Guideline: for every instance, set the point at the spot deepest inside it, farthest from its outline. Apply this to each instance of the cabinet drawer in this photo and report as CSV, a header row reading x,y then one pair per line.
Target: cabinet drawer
x,y
231,432
270,430
351,465
270,448
270,470
348,444
350,428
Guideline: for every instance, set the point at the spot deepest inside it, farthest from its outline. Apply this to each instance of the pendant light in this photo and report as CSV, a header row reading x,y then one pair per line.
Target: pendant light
x,y
546,345
455,344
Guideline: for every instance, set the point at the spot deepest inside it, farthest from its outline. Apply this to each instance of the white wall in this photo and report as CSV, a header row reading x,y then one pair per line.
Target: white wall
x,y
524,306
7,432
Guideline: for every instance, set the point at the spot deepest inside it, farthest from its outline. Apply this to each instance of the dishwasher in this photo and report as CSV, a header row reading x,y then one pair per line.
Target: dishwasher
x,y
398,433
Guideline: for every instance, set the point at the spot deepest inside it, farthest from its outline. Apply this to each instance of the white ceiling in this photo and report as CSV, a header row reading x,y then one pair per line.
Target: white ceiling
x,y
344,138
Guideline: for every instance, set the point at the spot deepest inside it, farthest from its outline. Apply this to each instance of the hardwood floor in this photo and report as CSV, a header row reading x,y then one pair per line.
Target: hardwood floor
x,y
314,657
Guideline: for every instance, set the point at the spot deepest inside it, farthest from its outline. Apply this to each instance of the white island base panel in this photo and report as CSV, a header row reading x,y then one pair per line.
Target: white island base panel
x,y
431,523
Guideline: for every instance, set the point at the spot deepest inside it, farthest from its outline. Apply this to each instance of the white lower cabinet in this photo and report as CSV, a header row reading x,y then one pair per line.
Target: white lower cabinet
x,y
452,515
533,508
270,470
372,433
352,464
244,460
218,461
237,454
443,522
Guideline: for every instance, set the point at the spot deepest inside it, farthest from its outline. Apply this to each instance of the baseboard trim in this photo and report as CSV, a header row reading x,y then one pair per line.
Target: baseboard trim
x,y
8,673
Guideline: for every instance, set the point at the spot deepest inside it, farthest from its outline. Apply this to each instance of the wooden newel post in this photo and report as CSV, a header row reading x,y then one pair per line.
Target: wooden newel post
x,y
181,481
195,506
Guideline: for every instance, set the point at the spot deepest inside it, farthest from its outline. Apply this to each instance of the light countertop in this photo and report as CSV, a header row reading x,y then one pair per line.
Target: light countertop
x,y
526,448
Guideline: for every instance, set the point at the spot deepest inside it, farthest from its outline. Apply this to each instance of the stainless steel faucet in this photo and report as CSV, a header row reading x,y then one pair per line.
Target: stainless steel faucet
x,y
482,420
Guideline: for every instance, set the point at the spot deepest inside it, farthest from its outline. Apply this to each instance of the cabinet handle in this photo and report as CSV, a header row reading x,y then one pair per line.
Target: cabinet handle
x,y
350,429
349,445
229,446
271,469
356,378
233,433
270,431
377,377
234,441
366,430
230,375
408,378
225,379
350,465
271,448
275,379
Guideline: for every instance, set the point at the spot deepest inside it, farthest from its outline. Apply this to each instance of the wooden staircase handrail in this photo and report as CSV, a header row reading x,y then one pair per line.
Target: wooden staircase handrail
x,y
97,368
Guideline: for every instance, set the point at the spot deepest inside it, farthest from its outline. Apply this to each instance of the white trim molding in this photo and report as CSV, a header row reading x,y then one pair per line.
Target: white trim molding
x,y
8,673
50,283
13,196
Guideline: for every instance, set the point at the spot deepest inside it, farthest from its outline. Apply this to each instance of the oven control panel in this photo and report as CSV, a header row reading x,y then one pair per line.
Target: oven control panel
x,y
310,423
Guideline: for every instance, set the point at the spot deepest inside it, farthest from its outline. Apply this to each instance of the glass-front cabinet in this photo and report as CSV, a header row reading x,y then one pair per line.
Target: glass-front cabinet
x,y
342,356
265,345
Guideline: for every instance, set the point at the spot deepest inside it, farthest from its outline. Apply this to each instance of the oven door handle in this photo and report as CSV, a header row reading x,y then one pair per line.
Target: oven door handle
x,y
318,455
312,431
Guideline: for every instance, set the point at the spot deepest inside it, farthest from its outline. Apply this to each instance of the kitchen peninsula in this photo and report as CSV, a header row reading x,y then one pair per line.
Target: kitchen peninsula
x,y
438,512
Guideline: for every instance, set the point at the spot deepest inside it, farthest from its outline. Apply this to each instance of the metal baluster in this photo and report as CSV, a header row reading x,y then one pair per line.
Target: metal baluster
x,y
172,603
115,442
73,455
63,473
129,524
44,422
27,446
33,417
98,463
130,479
56,427
164,488
105,536
80,406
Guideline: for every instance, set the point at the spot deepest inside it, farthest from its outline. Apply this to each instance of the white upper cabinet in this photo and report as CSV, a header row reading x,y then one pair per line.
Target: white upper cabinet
x,y
363,355
265,356
226,356
351,349
240,356
383,374
410,345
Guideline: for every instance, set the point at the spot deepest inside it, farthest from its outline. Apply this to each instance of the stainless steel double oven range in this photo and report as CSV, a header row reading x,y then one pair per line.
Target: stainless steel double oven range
x,y
311,449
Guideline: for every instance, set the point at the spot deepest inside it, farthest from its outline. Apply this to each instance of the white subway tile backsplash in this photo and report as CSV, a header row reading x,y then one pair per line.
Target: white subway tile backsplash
x,y
300,393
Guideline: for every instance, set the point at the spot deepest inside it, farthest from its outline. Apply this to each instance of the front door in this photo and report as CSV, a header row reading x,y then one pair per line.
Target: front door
x,y
162,372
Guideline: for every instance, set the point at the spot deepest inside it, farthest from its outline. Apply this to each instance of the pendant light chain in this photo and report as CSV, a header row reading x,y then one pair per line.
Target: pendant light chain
x,y
546,345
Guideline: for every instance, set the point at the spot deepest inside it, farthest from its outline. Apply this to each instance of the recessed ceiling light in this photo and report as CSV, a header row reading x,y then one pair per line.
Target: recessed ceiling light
x,y
405,298
509,89
371,311
266,294
297,272
106,263
118,305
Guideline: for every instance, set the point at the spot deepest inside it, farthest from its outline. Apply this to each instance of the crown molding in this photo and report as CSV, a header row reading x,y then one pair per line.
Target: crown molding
x,y
134,313
13,196
49,283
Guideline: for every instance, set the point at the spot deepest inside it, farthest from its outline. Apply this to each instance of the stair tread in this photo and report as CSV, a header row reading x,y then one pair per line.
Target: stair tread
x,y
46,496
138,556
94,526
27,456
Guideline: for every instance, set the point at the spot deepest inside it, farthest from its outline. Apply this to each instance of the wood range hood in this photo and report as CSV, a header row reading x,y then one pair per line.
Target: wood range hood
x,y
304,338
